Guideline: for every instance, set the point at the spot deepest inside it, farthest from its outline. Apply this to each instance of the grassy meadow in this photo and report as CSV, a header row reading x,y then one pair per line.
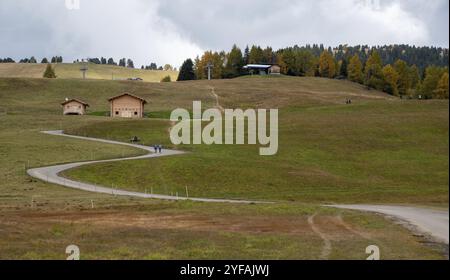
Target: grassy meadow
x,y
72,71
378,150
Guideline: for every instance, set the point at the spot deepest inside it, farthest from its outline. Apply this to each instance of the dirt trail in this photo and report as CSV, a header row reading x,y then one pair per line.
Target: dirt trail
x,y
216,97
326,249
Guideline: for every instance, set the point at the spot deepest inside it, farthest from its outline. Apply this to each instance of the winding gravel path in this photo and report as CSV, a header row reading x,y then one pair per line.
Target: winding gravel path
x,y
50,174
431,222
434,223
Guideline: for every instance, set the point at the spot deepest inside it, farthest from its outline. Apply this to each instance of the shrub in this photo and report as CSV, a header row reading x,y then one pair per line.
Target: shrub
x,y
166,79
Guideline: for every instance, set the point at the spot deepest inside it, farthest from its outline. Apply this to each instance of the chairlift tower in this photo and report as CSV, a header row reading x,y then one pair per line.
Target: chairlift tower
x,y
210,66
84,68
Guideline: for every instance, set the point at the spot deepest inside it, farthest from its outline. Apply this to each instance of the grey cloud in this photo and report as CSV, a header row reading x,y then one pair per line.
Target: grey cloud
x,y
169,31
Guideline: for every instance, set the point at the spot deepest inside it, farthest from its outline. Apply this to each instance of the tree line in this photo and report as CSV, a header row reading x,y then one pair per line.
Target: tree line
x,y
400,70
55,59
124,62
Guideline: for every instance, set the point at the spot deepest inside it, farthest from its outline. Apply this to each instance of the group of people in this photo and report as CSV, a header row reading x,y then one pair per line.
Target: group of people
x,y
158,149
348,101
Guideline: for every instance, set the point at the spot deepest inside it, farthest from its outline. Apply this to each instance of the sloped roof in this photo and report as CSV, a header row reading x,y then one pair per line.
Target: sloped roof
x,y
128,94
262,66
75,100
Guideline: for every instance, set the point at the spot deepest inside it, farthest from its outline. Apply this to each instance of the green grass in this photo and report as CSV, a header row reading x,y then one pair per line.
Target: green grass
x,y
368,153
380,150
72,71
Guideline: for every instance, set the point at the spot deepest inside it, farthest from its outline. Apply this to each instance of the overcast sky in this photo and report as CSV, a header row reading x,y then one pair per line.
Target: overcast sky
x,y
168,31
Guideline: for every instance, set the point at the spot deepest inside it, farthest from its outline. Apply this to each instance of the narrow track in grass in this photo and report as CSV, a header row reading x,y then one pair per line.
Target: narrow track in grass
x,y
51,174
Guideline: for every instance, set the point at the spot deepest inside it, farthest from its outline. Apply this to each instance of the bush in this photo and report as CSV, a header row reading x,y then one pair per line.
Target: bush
x,y
166,79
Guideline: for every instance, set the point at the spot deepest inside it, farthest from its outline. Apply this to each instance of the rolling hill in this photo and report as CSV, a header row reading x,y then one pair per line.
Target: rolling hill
x,y
72,71
380,149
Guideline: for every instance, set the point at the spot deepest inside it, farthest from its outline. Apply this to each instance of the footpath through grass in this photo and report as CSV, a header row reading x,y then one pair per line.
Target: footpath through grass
x,y
378,150
367,153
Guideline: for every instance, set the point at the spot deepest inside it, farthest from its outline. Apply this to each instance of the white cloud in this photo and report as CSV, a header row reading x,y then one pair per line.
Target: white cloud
x,y
170,31
111,28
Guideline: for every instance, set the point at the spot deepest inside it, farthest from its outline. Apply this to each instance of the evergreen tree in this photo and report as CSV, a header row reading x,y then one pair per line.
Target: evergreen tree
x,y
343,71
130,63
111,62
235,63
44,61
256,55
187,71
49,72
246,55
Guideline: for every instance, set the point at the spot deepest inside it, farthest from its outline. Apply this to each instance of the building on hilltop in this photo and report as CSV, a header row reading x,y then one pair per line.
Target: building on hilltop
x,y
263,69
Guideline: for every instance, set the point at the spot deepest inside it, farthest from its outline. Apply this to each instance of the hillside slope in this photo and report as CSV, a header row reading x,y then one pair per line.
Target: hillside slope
x,y
379,149
32,95
72,71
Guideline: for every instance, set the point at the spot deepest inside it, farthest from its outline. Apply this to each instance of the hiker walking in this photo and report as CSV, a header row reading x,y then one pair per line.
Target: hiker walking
x,y
160,149
156,148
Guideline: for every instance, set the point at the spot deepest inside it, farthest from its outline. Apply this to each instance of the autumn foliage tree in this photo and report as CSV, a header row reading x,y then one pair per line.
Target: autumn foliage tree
x,y
391,78
355,73
327,65
373,73
209,57
433,76
404,77
235,63
441,91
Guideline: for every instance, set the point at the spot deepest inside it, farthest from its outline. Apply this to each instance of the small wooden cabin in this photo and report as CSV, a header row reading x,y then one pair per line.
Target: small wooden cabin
x,y
74,107
127,105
